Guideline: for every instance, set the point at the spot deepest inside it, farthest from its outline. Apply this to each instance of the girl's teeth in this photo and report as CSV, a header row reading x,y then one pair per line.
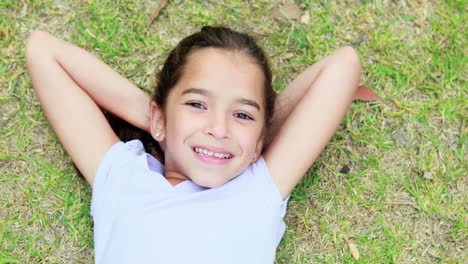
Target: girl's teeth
x,y
212,154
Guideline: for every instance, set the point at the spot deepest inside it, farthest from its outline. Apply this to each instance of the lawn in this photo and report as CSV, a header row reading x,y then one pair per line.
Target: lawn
x,y
392,181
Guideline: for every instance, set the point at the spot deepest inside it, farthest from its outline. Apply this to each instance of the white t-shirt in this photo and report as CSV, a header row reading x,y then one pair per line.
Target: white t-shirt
x,y
139,217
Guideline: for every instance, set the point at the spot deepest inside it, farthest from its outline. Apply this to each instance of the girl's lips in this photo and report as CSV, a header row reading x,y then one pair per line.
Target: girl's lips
x,y
211,160
214,149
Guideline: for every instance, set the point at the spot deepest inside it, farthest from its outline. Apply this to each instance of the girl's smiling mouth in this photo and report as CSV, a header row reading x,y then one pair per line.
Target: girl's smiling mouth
x,y
212,155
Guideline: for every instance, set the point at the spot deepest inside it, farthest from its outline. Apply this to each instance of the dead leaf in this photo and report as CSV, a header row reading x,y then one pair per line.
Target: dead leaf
x,y
291,10
428,175
287,56
366,94
305,18
345,169
352,248
156,11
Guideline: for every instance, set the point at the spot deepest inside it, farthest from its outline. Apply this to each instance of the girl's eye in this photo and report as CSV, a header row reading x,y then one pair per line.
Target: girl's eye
x,y
244,116
196,105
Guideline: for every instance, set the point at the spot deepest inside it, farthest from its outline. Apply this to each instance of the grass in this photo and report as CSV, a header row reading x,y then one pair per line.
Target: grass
x,y
404,198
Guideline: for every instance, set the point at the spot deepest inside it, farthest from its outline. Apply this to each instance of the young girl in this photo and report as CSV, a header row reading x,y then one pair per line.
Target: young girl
x,y
229,157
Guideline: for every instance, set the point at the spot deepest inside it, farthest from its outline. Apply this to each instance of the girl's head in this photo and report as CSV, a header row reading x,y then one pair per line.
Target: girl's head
x,y
213,94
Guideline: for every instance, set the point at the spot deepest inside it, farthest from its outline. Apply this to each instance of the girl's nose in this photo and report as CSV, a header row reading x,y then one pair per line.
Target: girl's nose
x,y
218,126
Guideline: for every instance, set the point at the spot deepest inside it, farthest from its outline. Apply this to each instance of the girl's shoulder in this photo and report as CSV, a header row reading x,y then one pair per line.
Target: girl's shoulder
x,y
122,153
260,170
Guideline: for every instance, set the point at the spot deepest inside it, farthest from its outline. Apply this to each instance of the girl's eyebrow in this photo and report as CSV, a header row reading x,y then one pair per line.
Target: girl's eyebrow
x,y
207,93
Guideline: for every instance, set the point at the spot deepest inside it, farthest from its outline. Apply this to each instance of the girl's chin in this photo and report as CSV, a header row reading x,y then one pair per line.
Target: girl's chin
x,y
208,184
206,181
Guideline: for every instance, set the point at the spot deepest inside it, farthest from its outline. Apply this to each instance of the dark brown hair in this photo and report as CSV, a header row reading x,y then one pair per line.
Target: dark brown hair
x,y
173,69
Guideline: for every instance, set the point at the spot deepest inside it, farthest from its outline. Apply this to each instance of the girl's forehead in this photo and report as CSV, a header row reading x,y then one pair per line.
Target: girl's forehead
x,y
216,59
223,72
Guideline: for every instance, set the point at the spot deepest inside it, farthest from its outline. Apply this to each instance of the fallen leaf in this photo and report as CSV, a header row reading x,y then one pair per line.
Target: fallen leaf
x,y
352,248
292,11
345,169
366,94
428,175
287,56
305,18
156,12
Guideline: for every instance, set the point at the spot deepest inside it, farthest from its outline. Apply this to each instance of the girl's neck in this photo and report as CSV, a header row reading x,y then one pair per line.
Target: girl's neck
x,y
174,181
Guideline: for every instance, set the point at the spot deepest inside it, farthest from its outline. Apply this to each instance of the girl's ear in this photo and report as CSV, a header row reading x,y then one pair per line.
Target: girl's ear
x,y
157,126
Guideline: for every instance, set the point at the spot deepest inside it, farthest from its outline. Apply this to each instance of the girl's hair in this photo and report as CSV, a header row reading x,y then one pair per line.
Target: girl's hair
x,y
173,69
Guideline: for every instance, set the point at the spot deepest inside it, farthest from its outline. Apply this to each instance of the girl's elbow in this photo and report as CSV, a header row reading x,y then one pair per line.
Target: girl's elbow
x,y
349,55
33,42
346,60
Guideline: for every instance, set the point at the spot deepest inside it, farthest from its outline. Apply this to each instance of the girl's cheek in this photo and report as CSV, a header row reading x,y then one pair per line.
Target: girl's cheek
x,y
177,123
189,121
248,137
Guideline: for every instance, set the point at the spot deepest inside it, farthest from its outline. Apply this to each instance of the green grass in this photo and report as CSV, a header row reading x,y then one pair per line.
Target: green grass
x,y
413,55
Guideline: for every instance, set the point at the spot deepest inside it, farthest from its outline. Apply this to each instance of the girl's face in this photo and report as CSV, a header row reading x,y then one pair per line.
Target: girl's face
x,y
214,118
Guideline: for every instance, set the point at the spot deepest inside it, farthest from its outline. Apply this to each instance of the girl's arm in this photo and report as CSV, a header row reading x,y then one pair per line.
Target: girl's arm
x,y
70,84
308,112
296,89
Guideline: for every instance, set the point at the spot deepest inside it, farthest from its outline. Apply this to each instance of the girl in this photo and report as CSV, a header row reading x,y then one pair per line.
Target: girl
x,y
229,156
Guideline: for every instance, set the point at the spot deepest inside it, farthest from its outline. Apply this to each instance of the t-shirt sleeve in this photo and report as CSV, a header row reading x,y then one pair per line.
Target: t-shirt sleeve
x,y
262,168
108,178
